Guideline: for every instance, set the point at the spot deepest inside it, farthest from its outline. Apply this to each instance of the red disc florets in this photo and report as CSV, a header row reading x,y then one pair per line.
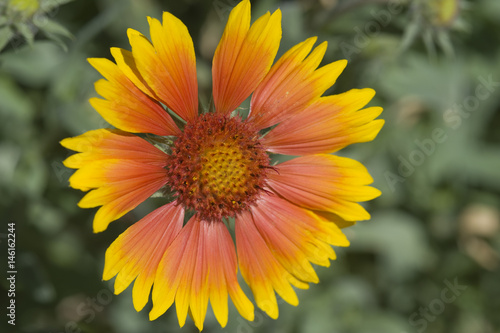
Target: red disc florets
x,y
218,166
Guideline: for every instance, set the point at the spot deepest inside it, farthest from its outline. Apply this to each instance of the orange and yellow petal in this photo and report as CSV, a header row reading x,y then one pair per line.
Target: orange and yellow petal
x,y
167,64
126,63
277,242
292,84
222,279
125,106
136,253
334,218
244,56
326,126
199,265
325,182
260,269
105,144
117,185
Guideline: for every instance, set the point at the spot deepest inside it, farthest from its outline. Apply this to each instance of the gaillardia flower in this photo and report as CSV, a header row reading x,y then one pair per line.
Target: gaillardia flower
x,y
217,167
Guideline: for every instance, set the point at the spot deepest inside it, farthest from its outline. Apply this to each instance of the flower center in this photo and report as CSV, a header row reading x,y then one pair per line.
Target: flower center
x,y
218,166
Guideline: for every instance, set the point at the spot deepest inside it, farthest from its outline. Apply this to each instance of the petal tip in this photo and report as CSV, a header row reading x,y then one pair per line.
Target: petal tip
x,y
154,314
97,228
342,63
376,192
66,143
278,13
132,33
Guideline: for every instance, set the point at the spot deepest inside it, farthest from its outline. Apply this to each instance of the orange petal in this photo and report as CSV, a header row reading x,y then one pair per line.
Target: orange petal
x,y
260,269
136,253
244,56
222,279
126,106
325,182
334,218
277,242
328,125
168,64
292,84
119,186
104,144
300,227
126,63
175,273
200,264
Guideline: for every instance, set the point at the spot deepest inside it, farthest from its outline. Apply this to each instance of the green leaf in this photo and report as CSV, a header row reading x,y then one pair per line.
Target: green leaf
x,y
5,35
48,5
444,42
55,38
3,20
13,102
52,27
27,32
9,157
33,66
429,43
410,34
399,238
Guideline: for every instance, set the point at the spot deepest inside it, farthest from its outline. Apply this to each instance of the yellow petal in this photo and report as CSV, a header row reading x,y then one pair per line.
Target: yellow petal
x,y
167,64
127,107
136,253
292,84
325,182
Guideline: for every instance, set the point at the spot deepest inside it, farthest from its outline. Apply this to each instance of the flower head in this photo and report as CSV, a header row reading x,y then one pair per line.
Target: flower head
x,y
217,166
23,19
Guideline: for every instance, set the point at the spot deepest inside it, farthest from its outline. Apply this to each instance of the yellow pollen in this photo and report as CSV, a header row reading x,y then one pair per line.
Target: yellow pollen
x,y
222,167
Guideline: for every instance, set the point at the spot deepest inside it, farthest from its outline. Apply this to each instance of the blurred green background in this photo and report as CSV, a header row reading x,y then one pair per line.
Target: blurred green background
x,y
428,261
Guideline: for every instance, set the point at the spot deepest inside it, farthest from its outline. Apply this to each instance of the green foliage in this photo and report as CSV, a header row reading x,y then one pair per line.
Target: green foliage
x,y
21,20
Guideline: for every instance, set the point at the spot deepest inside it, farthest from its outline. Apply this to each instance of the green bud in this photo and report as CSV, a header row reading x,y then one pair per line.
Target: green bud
x,y
24,7
443,12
